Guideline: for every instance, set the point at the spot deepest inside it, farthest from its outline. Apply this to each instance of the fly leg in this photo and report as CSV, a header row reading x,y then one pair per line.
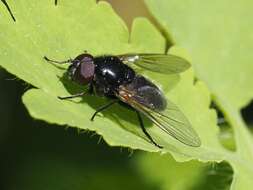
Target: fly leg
x,y
8,9
55,2
103,108
144,130
89,91
72,96
58,62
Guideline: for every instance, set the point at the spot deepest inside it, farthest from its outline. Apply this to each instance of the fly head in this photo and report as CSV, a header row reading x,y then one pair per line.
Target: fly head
x,y
82,69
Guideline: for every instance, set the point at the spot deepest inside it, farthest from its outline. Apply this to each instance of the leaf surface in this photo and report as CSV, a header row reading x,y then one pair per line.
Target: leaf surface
x,y
218,36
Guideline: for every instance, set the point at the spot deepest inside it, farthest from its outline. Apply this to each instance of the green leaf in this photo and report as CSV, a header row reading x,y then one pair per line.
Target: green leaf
x,y
218,36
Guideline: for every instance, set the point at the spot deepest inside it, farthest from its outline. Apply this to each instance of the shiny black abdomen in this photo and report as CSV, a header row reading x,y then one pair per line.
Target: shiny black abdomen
x,y
110,73
146,93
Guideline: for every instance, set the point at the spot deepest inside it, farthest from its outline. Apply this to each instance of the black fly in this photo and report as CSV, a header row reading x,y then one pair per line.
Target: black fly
x,y
114,78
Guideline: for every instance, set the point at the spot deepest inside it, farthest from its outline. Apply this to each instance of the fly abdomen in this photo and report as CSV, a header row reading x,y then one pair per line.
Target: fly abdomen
x,y
153,97
146,93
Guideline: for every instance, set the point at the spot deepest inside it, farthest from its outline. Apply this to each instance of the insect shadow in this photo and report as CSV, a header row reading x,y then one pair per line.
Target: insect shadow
x,y
119,113
111,77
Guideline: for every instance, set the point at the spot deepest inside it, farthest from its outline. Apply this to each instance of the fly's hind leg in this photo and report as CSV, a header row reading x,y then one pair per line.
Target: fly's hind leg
x,y
104,107
144,130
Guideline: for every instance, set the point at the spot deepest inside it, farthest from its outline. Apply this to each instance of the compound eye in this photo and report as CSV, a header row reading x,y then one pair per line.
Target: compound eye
x,y
83,69
87,70
87,59
84,58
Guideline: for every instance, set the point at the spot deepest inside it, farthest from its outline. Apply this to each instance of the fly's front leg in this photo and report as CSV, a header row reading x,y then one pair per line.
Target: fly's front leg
x,y
9,10
89,91
104,107
58,62
72,96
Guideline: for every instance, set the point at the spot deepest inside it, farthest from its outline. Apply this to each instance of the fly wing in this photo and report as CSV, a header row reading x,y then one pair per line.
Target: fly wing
x,y
162,63
171,120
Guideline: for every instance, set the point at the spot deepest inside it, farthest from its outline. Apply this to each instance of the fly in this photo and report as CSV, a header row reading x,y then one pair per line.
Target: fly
x,y
114,77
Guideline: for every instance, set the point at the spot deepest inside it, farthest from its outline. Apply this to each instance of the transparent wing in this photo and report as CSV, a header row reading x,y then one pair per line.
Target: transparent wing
x,y
171,120
162,63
